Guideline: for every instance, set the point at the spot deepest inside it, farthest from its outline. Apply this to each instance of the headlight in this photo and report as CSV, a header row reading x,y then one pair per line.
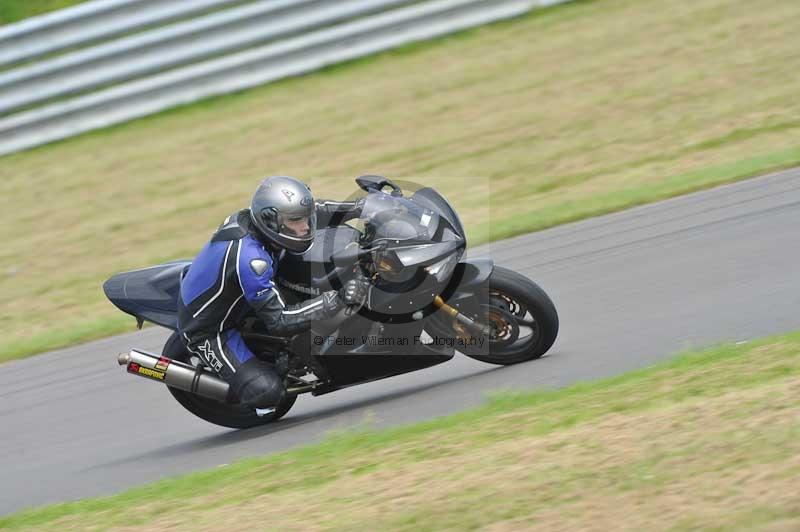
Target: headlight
x,y
390,268
443,269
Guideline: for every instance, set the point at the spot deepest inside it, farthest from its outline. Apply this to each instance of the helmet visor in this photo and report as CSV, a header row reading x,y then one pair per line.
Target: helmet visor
x,y
301,227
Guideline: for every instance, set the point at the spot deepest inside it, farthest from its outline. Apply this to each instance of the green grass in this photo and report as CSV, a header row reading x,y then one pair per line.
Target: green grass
x,y
708,440
15,10
574,111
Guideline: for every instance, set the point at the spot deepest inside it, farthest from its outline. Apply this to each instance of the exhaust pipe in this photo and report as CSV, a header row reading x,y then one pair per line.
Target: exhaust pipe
x,y
175,374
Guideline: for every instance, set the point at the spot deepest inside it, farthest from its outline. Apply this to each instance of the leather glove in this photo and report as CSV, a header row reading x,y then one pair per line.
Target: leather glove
x,y
354,292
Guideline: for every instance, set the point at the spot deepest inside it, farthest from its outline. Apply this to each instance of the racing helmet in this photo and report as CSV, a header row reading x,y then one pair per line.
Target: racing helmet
x,y
284,213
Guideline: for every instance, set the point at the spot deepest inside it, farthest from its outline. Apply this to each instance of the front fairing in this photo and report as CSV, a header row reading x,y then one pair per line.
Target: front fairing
x,y
409,236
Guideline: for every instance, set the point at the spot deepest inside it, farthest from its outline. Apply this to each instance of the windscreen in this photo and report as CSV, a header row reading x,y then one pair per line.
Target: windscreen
x,y
429,198
399,218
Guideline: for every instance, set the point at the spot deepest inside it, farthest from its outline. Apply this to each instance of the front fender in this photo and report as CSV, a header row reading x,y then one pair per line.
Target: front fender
x,y
469,286
472,273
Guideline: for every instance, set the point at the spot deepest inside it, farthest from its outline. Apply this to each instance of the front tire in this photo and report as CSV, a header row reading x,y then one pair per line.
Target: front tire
x,y
516,299
226,415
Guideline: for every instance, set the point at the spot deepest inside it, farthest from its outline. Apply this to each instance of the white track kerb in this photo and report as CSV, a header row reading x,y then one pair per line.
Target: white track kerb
x,y
108,61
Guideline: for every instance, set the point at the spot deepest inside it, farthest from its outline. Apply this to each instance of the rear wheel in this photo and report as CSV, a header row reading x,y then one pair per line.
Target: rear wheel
x,y
227,415
522,318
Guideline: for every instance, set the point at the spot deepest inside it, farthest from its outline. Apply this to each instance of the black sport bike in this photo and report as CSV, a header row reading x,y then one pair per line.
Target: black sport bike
x,y
425,303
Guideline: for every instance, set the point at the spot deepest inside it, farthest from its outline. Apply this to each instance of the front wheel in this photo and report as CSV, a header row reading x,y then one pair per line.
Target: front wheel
x,y
227,415
523,320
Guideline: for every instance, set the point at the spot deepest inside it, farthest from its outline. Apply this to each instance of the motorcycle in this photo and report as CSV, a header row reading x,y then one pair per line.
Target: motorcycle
x,y
426,301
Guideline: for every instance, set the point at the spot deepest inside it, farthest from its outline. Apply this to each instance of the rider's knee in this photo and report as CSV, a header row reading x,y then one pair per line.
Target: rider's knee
x,y
257,385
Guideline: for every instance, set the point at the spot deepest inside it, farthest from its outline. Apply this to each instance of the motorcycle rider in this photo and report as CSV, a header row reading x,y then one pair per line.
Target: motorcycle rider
x,y
234,273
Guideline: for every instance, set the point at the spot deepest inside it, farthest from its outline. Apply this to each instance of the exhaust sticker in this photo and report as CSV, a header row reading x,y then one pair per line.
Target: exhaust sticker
x,y
136,369
163,364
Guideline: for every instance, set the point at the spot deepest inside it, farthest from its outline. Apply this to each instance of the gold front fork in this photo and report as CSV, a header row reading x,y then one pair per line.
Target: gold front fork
x,y
440,304
462,324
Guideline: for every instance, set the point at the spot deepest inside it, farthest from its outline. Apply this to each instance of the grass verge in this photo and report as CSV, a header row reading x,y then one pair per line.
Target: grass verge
x,y
16,10
574,111
708,440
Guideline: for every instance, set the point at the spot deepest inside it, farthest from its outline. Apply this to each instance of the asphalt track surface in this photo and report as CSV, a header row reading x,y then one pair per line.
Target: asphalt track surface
x,y
631,288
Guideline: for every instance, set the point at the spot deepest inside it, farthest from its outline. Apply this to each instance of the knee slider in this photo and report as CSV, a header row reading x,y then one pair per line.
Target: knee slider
x,y
257,385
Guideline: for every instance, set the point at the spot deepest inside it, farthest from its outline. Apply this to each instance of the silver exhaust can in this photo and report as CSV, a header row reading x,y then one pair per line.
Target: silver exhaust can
x,y
175,374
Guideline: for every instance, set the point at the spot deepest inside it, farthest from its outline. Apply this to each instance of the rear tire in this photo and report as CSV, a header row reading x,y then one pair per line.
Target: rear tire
x,y
528,296
233,416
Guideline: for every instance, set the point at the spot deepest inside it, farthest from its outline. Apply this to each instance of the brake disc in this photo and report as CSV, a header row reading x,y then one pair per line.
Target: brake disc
x,y
505,330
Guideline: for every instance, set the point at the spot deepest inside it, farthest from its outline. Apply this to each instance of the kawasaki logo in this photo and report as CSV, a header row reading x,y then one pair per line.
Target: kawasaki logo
x,y
303,289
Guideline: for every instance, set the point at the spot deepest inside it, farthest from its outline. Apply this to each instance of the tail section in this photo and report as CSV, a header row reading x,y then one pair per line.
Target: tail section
x,y
149,294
